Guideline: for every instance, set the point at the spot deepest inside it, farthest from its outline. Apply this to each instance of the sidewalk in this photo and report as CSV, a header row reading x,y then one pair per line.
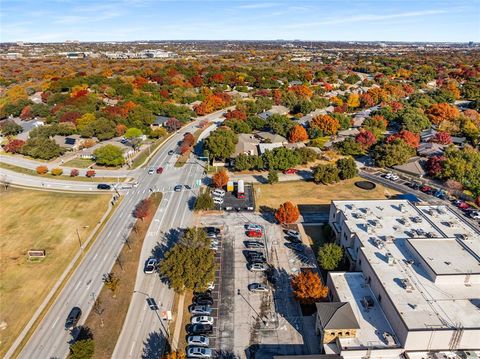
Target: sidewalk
x,y
178,323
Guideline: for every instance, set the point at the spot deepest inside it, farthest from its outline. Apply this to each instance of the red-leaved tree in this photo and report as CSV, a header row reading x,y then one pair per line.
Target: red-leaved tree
x,y
442,138
434,165
287,213
366,139
14,146
143,209
220,179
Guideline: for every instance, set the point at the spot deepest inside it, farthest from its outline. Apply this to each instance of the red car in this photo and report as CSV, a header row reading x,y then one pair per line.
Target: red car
x,y
159,170
253,233
290,171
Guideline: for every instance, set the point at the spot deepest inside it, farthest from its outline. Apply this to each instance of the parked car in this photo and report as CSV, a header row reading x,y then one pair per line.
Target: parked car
x,y
104,186
178,188
257,267
151,171
254,234
474,214
250,255
253,227
461,204
292,233
203,301
258,288
214,246
198,340
199,352
211,286
73,318
213,230
202,319
298,247
218,192
204,329
152,304
201,309
187,186
290,171
171,152
160,170
254,244
294,239
217,200
426,189
151,265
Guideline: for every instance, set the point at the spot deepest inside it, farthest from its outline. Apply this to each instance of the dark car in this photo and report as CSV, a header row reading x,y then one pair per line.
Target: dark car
x,y
254,244
73,318
178,188
253,254
187,186
171,152
152,304
298,247
213,230
294,239
203,301
160,170
104,186
204,329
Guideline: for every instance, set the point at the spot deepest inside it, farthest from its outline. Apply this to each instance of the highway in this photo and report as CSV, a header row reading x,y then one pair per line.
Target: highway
x,y
50,340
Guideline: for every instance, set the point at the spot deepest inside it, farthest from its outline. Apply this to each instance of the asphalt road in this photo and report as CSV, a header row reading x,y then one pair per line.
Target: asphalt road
x,y
50,340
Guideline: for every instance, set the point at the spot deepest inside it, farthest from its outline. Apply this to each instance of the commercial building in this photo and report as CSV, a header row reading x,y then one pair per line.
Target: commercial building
x,y
415,285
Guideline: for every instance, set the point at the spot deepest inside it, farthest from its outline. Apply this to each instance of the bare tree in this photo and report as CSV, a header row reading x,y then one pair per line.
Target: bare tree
x,y
98,309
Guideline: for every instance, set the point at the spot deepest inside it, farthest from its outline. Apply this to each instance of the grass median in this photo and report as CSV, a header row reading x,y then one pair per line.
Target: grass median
x,y
113,306
30,220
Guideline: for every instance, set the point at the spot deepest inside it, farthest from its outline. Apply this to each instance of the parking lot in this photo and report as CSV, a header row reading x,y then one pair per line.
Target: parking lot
x,y
232,203
264,323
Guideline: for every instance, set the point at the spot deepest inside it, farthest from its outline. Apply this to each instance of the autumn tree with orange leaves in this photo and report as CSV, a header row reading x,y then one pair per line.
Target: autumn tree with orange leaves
x,y
287,213
308,287
326,124
410,138
439,112
298,134
220,179
302,91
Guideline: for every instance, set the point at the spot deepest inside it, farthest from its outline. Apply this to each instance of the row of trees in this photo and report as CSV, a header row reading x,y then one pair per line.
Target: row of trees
x,y
344,168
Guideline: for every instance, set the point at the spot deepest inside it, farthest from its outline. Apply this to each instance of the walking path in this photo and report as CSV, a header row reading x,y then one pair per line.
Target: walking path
x,y
178,323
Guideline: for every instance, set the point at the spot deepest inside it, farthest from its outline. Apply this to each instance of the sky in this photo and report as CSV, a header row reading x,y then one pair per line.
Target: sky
x,y
311,20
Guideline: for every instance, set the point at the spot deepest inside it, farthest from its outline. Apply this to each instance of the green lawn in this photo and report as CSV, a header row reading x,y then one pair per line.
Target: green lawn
x,y
79,163
31,220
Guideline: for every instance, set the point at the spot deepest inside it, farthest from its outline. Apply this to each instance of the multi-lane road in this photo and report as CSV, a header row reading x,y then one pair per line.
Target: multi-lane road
x,y
50,340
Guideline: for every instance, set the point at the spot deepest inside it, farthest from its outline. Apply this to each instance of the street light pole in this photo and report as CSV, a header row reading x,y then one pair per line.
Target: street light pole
x,y
79,240
257,313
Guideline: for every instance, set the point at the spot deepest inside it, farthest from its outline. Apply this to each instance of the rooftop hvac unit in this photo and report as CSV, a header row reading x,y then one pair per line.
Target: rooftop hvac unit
x,y
379,243
406,284
368,302
389,239
390,259
462,236
417,219
403,209
441,210
431,235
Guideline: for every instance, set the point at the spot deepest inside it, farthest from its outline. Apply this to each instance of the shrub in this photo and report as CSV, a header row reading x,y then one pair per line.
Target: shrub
x,y
56,172
90,173
74,173
204,202
41,170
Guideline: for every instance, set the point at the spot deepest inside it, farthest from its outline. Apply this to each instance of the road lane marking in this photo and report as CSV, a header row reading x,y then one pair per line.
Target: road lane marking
x,y
55,322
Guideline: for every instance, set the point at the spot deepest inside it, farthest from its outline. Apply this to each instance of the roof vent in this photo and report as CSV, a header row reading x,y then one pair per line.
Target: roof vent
x,y
390,259
406,284
368,302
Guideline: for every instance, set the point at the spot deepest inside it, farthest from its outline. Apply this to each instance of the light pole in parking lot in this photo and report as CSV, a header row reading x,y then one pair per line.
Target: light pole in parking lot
x,y
257,313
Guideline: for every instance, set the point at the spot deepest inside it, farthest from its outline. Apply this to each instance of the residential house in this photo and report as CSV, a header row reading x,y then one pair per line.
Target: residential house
x,y
247,144
279,110
428,149
262,147
269,137
159,121
428,135
308,117
413,167
335,320
71,142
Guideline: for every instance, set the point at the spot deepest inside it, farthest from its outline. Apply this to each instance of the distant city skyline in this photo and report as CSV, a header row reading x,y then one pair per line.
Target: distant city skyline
x,y
129,20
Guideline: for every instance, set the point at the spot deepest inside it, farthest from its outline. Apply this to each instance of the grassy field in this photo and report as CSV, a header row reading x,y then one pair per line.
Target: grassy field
x,y
30,220
79,163
115,305
65,178
314,197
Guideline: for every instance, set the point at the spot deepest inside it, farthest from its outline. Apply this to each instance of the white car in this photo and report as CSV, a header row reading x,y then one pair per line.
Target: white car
x,y
151,171
394,177
217,200
214,246
475,214
258,288
211,286
202,319
199,352
253,227
218,192
201,310
198,341
257,267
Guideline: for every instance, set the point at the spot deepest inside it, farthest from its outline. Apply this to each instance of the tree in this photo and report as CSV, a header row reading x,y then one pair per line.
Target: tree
x,y
204,202
413,119
90,173
220,179
353,100
439,112
10,128
308,287
120,129
189,264
393,153
326,124
41,170
287,213
143,208
109,155
442,138
410,138
221,143
349,147
41,147
366,139
14,146
326,174
174,355
82,349
463,165
347,168
172,124
111,281
329,256
158,132
272,176
74,172
133,132
56,171
298,134
434,166
280,124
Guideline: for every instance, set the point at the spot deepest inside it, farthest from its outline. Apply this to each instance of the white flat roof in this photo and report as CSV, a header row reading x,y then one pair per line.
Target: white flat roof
x,y
393,223
351,288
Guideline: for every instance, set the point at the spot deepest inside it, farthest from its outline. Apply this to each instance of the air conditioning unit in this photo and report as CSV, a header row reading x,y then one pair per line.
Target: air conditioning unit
x,y
406,284
390,259
368,302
